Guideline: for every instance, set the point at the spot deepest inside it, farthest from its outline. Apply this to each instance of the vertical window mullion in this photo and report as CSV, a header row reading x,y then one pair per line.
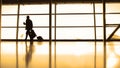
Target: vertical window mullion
x,y
0,16
55,37
50,33
104,32
94,14
18,13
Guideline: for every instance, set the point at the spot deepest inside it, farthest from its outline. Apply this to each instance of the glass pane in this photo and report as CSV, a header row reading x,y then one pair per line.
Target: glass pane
x,y
75,33
8,33
99,20
34,9
9,9
99,32
110,30
98,8
9,20
38,20
112,7
75,8
117,34
75,20
113,19
44,32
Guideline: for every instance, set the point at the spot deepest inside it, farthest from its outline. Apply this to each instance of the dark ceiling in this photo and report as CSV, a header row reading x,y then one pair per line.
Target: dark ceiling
x,y
58,1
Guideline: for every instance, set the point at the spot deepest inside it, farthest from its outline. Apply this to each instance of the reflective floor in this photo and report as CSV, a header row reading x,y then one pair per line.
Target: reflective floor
x,y
68,54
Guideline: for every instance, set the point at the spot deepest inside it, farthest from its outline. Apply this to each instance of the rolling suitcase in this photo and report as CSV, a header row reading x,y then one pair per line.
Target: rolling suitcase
x,y
32,34
39,38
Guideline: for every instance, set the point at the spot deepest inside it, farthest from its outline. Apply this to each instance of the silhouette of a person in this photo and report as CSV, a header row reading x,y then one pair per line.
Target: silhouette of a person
x,y
29,26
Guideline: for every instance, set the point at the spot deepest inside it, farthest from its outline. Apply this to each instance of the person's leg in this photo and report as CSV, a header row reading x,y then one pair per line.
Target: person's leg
x,y
27,33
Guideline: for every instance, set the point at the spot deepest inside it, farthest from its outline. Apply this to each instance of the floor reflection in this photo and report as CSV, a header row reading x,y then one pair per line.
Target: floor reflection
x,y
68,54
113,55
29,51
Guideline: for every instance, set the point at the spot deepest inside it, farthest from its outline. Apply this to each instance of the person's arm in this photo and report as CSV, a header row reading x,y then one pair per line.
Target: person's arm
x,y
24,23
32,24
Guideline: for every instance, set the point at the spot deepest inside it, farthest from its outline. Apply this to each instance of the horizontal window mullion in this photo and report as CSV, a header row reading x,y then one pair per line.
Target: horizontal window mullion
x,y
57,26
58,14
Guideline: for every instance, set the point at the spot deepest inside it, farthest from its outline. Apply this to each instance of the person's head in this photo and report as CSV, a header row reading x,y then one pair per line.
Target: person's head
x,y
28,17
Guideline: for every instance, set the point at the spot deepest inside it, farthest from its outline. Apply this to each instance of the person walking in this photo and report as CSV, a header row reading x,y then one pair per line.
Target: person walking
x,y
28,27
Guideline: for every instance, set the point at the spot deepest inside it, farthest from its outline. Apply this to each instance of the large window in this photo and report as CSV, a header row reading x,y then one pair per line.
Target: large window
x,y
73,21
